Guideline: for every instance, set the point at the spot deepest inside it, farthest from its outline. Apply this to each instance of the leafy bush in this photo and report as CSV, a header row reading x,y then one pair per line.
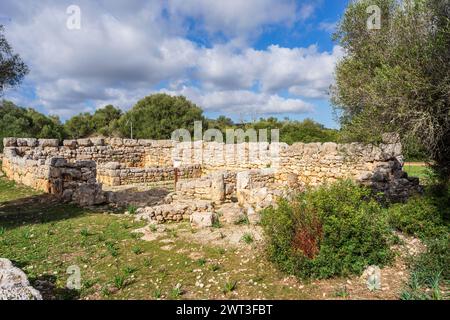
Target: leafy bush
x,y
24,123
420,216
333,230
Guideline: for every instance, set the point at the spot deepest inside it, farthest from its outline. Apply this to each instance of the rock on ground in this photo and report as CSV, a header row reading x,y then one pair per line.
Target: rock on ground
x,y
14,284
203,219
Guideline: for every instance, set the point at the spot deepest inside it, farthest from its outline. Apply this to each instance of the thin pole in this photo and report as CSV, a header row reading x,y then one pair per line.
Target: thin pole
x,y
131,129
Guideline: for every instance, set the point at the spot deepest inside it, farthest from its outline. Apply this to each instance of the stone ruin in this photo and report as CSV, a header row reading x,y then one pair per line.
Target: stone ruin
x,y
211,176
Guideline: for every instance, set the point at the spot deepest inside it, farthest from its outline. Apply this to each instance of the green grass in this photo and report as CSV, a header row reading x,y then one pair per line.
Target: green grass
x,y
247,238
44,239
421,172
10,191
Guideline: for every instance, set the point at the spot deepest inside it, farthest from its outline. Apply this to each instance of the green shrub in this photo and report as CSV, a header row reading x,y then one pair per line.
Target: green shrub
x,y
132,209
420,216
333,230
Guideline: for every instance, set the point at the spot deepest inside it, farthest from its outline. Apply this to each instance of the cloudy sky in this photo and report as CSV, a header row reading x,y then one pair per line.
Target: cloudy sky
x,y
243,59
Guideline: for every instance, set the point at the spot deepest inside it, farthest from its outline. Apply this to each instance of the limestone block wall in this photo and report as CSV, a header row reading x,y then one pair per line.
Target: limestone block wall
x,y
128,152
214,156
115,174
219,186
72,182
138,161
316,163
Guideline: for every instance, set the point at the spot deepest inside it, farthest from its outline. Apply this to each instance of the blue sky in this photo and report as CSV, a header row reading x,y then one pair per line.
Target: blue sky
x,y
243,59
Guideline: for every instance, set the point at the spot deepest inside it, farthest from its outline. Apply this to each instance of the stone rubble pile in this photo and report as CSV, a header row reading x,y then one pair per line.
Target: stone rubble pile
x,y
174,211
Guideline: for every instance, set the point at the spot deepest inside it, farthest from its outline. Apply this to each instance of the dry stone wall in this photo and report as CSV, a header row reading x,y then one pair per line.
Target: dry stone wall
x,y
217,167
72,182
115,174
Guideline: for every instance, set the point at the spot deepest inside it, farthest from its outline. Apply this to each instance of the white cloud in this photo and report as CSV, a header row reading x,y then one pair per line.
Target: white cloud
x,y
329,27
236,17
306,11
243,102
133,49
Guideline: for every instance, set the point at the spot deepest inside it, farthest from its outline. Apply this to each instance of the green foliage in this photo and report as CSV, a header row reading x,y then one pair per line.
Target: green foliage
x,y
157,293
158,115
79,126
132,209
22,123
292,131
397,78
247,238
112,249
201,262
222,123
354,232
105,120
137,250
12,68
120,281
229,286
306,131
420,217
176,292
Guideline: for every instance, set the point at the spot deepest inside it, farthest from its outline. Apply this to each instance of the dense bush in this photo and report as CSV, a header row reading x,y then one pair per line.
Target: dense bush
x,y
158,115
103,122
333,230
420,217
20,122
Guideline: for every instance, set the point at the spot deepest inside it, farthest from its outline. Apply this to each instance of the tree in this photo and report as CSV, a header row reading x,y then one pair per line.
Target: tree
x,y
20,122
158,115
397,78
79,126
221,123
12,68
105,120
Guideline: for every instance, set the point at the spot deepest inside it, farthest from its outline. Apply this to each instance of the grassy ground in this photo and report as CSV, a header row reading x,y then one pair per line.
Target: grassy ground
x,y
11,191
45,238
419,171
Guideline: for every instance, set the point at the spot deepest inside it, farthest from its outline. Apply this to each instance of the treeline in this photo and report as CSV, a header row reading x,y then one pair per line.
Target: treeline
x,y
153,117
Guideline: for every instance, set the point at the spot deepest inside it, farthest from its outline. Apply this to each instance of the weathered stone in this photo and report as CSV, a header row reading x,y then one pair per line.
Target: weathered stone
x,y
84,142
48,143
9,142
232,213
253,216
67,195
217,188
112,165
14,284
72,144
203,219
27,142
97,141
